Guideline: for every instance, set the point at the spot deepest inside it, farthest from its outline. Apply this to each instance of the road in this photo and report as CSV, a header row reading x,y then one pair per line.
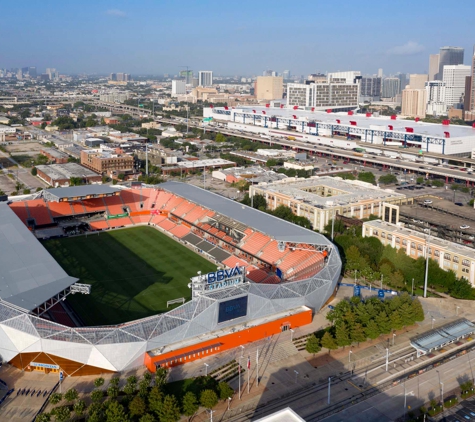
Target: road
x,y
389,405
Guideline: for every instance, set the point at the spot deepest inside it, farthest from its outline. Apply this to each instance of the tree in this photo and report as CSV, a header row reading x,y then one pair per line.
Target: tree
x,y
71,395
61,414
407,315
75,181
121,176
143,388
34,171
417,310
383,322
208,399
99,382
131,385
387,179
113,391
367,177
115,412
155,399
342,335
190,404
79,407
55,398
225,390
43,417
161,377
220,138
313,344
137,406
147,418
169,410
372,330
357,333
396,320
328,342
97,396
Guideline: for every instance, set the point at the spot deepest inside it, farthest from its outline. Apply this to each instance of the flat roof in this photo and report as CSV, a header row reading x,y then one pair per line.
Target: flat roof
x,y
81,191
452,247
29,274
353,191
211,162
440,336
66,171
381,122
272,226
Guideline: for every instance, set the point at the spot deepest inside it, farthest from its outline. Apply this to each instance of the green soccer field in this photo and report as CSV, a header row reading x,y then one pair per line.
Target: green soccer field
x,y
133,273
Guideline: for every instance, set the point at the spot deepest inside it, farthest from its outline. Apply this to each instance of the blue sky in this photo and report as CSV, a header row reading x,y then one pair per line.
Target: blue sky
x,y
232,37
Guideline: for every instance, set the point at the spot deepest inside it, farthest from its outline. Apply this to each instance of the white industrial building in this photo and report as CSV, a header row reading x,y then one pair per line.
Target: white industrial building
x,y
345,129
178,87
454,79
205,78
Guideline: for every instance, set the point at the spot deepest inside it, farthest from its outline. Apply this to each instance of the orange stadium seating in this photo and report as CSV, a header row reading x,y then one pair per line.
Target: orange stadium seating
x,y
60,209
119,222
180,230
173,203
255,242
91,205
38,210
99,225
271,254
114,205
132,199
184,208
141,219
195,214
294,258
19,208
232,261
167,225
161,199
157,219
257,275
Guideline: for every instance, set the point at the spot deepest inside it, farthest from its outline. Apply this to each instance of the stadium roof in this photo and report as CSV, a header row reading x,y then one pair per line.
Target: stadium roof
x,y
273,226
80,191
29,275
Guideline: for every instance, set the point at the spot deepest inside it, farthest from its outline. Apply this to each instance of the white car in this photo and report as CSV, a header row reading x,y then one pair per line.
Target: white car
x,y
427,202
464,227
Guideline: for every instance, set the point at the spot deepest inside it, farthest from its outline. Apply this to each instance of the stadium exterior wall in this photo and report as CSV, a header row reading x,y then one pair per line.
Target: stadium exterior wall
x,y
228,341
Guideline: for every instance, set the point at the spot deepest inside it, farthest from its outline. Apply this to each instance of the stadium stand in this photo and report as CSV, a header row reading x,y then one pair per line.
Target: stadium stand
x,y
255,242
119,222
173,203
183,208
19,208
141,219
271,253
167,225
37,209
180,231
131,199
114,205
161,199
195,214
60,209
93,205
99,225
257,275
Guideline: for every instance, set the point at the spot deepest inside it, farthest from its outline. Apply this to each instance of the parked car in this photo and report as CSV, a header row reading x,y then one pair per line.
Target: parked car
x,y
427,202
464,227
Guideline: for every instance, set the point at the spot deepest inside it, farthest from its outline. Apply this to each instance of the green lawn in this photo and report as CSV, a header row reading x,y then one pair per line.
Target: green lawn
x,y
133,273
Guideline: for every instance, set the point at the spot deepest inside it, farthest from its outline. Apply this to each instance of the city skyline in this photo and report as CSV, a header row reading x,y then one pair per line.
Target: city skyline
x,y
229,38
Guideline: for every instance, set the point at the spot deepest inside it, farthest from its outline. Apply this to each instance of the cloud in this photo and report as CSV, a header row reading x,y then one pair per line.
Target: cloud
x,y
408,49
116,12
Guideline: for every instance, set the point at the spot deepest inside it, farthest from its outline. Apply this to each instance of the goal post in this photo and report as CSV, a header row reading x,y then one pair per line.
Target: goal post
x,y
179,300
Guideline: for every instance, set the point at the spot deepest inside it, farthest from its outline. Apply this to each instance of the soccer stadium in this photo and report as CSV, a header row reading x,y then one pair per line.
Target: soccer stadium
x,y
100,279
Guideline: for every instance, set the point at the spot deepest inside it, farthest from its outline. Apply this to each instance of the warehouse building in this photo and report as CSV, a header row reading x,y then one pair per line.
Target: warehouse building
x,y
59,175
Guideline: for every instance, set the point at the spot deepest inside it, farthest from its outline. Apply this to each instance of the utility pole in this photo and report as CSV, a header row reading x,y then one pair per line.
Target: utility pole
x,y
187,108
146,159
427,265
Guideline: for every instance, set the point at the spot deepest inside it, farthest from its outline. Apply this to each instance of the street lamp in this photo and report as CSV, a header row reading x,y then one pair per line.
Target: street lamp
x,y
329,387
206,369
394,335
292,334
355,276
240,376
412,291
442,393
427,265
229,401
433,319
387,358
296,375
242,350
349,356
457,310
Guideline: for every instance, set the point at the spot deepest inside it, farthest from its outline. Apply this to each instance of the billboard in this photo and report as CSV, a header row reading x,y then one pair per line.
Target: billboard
x,y
232,309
